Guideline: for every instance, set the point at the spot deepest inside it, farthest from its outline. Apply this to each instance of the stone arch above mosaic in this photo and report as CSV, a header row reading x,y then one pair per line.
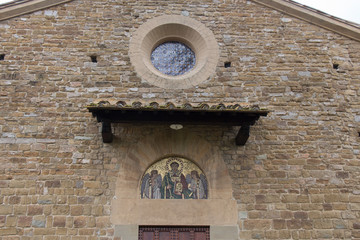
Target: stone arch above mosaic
x,y
174,178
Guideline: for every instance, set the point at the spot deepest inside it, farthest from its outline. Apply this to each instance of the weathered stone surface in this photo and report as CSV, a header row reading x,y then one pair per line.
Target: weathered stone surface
x,y
24,221
297,177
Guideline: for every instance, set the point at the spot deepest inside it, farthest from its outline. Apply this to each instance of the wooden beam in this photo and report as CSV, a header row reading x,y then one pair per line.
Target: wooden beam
x,y
106,132
243,135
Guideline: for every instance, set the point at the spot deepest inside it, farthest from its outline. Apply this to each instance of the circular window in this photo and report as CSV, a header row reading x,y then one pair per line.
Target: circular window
x,y
173,58
174,52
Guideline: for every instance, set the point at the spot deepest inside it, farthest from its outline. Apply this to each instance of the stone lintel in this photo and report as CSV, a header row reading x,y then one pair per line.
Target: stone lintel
x,y
176,212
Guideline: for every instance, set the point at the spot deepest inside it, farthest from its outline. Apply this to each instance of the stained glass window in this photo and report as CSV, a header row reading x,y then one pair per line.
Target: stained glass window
x,y
173,58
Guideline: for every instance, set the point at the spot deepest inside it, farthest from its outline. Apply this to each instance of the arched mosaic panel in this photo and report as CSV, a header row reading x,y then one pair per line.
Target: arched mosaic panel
x,y
174,178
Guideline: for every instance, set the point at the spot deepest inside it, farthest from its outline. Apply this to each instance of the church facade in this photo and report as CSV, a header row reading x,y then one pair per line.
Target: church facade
x,y
214,119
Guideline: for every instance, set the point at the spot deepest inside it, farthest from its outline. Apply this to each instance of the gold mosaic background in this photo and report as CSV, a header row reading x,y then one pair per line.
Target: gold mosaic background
x,y
163,166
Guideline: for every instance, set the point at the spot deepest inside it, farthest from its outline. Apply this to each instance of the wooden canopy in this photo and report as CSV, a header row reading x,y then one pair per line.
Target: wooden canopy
x,y
231,115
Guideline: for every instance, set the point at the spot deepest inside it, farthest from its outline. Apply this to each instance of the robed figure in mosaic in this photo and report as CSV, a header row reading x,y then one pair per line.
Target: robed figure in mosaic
x,y
197,185
165,179
151,185
174,185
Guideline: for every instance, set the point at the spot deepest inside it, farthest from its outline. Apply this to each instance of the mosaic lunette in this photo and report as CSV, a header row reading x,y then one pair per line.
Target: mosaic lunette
x,y
174,178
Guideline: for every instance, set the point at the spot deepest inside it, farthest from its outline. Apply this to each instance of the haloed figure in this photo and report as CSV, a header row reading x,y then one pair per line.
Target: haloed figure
x,y
196,187
174,185
151,185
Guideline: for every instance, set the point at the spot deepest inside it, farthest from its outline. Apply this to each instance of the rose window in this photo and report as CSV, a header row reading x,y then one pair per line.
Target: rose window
x,y
173,58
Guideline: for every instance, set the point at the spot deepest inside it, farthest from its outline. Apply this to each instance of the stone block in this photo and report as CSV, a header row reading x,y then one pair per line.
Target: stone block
x,y
2,221
79,222
342,175
97,211
79,184
323,234
61,210
260,198
300,215
10,221
279,224
59,221
307,224
38,223
327,206
14,200
355,234
45,200
35,210
317,198
340,224
20,210
24,221
7,231
323,224
76,210
92,184
259,224
44,232
293,224
85,200
103,222
354,199
278,174
224,232
356,225
355,206
6,209
53,184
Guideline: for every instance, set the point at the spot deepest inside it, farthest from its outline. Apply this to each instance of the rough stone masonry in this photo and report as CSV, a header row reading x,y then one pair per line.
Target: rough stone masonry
x,y
297,177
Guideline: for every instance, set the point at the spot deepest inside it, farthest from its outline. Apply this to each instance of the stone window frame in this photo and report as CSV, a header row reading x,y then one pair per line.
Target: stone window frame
x,y
174,28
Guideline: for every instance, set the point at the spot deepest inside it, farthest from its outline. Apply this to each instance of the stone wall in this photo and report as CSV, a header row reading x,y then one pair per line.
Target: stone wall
x,y
296,178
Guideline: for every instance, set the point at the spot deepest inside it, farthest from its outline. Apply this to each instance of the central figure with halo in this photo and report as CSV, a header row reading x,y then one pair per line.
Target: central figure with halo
x,y
166,180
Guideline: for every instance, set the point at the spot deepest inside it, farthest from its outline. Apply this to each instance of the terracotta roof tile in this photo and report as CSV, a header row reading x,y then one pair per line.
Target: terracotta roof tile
x,y
169,105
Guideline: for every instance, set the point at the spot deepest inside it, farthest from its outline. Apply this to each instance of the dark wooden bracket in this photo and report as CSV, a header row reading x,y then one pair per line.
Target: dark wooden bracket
x,y
106,132
243,135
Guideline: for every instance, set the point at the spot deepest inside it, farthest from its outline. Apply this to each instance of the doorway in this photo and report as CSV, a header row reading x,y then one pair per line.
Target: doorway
x,y
174,233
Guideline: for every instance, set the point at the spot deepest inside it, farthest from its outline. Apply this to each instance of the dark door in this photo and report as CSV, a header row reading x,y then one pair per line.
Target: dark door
x,y
174,233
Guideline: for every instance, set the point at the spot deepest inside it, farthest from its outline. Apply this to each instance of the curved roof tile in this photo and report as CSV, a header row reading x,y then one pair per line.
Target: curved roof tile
x,y
113,104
